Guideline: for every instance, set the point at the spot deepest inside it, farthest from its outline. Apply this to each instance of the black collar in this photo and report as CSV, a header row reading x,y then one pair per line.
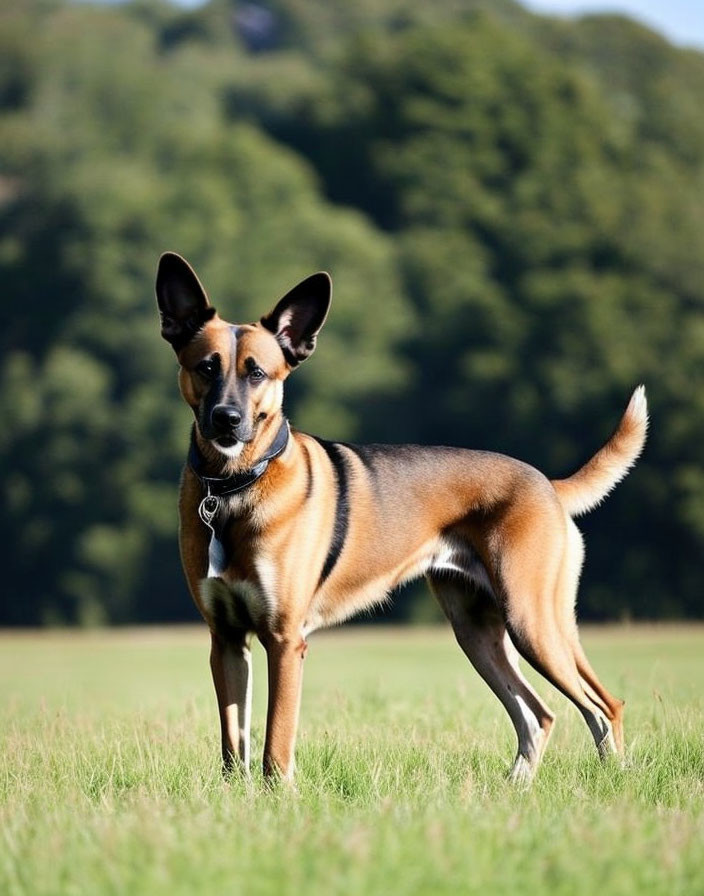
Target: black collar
x,y
220,486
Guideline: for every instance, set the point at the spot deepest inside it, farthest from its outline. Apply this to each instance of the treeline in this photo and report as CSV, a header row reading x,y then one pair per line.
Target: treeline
x,y
511,208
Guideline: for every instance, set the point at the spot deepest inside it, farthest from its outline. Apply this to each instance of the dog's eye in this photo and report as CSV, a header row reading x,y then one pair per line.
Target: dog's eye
x,y
207,368
256,375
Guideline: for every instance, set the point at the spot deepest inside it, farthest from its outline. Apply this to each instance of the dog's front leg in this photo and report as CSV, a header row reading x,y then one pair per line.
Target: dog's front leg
x,y
231,665
285,666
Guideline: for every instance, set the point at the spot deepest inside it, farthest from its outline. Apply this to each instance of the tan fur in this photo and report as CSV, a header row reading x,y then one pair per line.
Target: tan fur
x,y
589,486
493,535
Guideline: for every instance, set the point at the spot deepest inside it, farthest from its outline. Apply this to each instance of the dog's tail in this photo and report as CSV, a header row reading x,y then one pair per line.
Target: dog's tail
x,y
589,486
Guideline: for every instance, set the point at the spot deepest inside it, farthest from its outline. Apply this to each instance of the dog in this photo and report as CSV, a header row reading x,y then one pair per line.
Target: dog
x,y
282,533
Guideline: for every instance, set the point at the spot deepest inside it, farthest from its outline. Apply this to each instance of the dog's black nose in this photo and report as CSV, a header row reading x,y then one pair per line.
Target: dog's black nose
x,y
225,417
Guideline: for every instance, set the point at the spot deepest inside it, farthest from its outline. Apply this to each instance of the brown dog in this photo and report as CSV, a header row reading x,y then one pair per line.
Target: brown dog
x,y
282,533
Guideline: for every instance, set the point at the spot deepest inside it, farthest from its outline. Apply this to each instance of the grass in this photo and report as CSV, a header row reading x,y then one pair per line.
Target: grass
x,y
110,784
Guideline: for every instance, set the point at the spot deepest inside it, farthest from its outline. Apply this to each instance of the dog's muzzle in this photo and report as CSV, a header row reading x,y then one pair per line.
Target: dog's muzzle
x,y
226,426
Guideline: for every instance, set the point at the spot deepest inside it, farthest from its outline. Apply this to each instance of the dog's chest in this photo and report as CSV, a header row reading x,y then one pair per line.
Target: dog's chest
x,y
235,605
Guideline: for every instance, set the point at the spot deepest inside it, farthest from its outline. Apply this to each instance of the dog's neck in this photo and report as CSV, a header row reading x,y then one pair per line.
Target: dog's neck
x,y
207,461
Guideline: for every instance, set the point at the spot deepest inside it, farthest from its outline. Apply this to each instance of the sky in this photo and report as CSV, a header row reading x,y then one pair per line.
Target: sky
x,y
681,21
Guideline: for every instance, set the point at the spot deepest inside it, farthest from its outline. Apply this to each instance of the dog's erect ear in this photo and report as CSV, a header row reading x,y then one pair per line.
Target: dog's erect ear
x,y
299,317
183,304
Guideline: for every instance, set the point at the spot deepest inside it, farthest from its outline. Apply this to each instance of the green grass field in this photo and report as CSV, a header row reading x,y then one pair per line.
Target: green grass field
x,y
110,783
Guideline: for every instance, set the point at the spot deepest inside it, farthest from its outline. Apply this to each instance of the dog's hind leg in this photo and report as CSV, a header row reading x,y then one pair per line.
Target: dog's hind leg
x,y
550,655
540,639
539,570
611,706
481,633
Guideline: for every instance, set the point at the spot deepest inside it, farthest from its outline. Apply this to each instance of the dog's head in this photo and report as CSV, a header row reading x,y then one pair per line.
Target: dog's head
x,y
232,375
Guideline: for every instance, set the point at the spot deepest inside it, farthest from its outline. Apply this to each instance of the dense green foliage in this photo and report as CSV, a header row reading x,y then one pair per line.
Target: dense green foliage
x,y
110,785
510,207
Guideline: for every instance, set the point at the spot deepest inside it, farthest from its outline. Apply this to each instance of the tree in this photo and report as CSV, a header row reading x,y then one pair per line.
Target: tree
x,y
510,208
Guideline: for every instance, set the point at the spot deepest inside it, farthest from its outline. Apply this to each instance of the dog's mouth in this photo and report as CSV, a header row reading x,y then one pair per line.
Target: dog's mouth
x,y
228,445
225,441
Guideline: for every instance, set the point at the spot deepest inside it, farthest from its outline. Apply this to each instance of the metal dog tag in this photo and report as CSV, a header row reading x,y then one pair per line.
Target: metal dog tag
x,y
207,509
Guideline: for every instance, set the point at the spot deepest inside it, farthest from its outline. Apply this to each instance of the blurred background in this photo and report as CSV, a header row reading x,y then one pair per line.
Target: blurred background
x,y
511,206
